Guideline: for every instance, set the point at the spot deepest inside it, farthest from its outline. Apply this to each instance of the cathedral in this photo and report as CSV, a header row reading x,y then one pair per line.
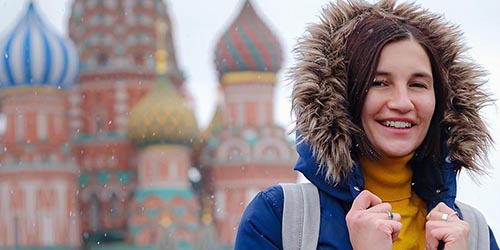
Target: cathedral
x,y
100,146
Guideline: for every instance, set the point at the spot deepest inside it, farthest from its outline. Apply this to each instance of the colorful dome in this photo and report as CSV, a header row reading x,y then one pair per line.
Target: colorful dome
x,y
33,54
248,45
162,117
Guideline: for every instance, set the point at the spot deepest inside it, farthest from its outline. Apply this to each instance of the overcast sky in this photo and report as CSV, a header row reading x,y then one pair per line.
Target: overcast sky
x,y
199,23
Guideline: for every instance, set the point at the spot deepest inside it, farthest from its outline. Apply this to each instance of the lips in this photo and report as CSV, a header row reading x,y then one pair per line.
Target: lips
x,y
397,124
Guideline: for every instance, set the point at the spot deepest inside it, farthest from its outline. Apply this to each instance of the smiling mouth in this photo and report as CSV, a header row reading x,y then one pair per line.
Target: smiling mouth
x,y
397,124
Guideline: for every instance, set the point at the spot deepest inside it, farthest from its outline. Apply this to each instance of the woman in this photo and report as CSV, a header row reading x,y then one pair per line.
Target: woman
x,y
387,114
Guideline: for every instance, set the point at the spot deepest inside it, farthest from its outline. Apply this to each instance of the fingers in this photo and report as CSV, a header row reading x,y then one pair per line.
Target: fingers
x,y
385,215
443,224
365,200
441,207
431,239
373,204
442,213
370,223
380,208
396,228
455,235
439,216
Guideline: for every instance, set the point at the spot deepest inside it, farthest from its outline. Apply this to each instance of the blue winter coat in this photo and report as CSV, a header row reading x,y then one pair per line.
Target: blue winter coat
x,y
260,226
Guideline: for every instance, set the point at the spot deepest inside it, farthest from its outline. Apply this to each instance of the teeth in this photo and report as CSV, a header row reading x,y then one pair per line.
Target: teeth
x,y
397,124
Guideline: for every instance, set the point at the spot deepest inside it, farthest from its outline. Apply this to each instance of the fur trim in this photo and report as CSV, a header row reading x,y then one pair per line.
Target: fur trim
x,y
319,98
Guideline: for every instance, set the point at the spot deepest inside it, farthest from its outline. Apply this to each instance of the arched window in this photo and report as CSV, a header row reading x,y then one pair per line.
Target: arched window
x,y
100,118
271,153
99,124
102,59
94,208
115,206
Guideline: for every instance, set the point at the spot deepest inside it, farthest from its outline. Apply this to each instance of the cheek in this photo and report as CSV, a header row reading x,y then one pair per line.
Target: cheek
x,y
430,107
365,114
426,110
370,107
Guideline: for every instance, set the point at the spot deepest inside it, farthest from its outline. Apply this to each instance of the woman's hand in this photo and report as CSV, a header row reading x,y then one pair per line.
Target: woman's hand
x,y
371,223
444,225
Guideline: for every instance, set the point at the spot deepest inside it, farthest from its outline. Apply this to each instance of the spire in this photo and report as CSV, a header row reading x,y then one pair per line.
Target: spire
x,y
161,50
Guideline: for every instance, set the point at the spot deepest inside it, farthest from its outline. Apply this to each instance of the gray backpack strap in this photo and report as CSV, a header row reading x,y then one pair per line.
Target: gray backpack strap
x,y
301,216
479,234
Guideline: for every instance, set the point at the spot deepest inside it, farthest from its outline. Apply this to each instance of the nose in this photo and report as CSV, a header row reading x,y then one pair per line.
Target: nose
x,y
400,100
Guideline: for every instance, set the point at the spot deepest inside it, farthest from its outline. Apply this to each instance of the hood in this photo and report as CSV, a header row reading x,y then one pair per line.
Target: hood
x,y
319,81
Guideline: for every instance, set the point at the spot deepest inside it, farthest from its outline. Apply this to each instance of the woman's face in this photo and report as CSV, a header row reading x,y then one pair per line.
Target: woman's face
x,y
399,105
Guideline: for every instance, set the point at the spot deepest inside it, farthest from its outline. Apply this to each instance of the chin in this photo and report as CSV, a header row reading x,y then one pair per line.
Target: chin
x,y
396,153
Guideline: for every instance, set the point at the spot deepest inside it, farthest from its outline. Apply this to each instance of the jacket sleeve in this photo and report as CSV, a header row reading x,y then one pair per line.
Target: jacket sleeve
x,y
493,242
260,225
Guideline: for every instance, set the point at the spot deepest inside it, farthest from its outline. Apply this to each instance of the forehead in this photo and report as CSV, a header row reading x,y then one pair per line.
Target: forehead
x,y
405,55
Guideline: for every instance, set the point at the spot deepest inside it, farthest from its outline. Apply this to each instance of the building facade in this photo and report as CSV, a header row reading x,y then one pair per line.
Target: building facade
x,y
101,147
246,152
38,176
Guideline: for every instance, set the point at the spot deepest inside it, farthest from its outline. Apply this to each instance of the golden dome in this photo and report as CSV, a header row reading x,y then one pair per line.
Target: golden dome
x,y
162,117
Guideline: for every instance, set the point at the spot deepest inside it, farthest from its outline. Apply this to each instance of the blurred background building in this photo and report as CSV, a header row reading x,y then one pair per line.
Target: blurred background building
x,y
101,146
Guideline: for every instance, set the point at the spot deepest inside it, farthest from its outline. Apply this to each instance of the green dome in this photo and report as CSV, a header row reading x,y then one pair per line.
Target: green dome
x,y
162,117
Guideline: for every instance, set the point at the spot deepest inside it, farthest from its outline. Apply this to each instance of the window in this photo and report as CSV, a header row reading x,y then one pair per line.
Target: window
x,y
102,59
220,204
99,124
19,127
100,118
42,126
94,208
115,206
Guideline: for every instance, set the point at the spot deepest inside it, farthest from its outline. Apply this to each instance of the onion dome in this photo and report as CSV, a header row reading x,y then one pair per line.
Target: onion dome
x,y
248,45
162,117
34,54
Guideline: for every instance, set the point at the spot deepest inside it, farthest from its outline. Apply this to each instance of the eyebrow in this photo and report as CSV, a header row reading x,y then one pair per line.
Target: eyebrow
x,y
416,74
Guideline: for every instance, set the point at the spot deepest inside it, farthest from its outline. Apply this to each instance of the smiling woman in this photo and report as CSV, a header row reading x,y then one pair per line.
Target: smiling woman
x,y
383,127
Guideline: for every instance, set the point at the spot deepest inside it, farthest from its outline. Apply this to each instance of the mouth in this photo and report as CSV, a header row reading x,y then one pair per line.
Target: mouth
x,y
397,124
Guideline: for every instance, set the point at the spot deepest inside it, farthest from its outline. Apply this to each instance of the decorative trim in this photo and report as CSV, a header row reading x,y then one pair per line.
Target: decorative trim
x,y
248,77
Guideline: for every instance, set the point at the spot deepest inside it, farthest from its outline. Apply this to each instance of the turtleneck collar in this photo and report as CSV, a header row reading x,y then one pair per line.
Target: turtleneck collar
x,y
389,178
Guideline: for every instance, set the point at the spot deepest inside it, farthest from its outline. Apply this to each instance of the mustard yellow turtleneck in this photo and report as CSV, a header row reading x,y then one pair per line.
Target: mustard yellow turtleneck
x,y
390,179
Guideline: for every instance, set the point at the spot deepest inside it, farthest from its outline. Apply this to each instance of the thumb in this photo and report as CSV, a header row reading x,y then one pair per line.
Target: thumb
x,y
365,199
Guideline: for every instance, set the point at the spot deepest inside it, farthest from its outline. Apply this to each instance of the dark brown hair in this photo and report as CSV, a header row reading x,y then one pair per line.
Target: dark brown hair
x,y
364,45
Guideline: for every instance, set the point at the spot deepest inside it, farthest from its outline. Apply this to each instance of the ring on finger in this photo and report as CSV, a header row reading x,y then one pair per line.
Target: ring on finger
x,y
391,215
444,217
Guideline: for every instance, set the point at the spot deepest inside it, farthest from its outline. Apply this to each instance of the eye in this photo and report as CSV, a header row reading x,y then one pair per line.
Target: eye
x,y
419,85
379,83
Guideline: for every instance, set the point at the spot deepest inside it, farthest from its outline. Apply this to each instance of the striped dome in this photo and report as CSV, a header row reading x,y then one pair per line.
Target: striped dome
x,y
248,45
33,54
162,116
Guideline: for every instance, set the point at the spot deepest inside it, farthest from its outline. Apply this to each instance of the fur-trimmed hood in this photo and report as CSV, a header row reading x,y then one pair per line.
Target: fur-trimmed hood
x,y
319,98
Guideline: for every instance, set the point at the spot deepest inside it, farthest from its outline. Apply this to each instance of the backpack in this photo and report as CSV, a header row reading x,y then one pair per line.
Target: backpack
x,y
301,219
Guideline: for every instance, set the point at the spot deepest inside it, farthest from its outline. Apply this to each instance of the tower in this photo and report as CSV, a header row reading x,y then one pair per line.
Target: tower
x,y
164,206
247,151
163,127
117,42
38,177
